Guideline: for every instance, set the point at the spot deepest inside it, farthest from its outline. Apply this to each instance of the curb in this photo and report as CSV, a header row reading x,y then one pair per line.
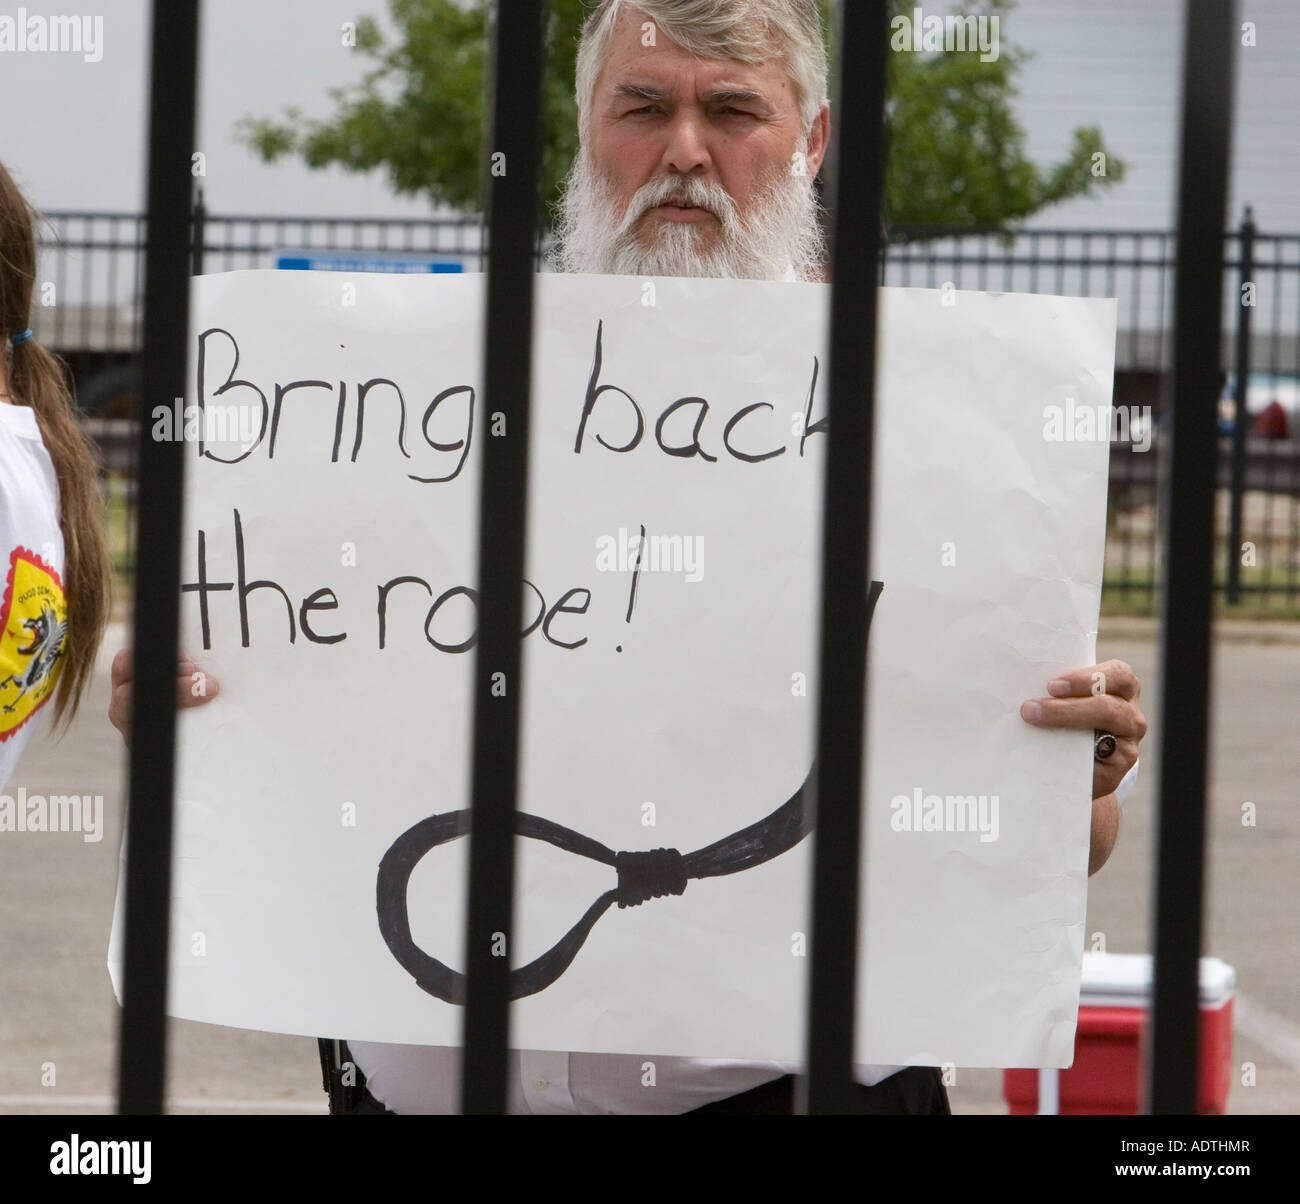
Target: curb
x,y
1222,631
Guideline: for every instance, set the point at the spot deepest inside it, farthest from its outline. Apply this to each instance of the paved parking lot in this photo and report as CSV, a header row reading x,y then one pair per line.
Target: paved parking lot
x,y
56,896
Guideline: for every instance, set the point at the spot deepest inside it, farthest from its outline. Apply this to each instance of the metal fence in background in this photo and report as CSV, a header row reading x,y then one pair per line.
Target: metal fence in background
x,y
1257,517
91,263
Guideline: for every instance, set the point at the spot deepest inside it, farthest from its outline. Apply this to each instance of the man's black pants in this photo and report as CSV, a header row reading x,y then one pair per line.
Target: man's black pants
x,y
915,1091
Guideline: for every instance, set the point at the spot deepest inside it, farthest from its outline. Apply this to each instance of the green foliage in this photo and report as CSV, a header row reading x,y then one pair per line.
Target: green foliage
x,y
419,111
956,152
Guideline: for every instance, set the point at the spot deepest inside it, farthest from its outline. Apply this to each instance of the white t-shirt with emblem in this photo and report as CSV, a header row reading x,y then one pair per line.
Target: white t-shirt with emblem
x,y
31,581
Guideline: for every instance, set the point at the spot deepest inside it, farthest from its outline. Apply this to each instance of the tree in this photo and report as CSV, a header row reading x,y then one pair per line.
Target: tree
x,y
956,152
419,112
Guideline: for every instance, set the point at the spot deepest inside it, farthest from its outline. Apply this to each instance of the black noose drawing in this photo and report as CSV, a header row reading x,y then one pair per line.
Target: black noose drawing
x,y
644,875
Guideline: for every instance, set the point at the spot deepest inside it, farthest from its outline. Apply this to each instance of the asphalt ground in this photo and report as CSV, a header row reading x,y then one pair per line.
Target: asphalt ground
x,y
59,1018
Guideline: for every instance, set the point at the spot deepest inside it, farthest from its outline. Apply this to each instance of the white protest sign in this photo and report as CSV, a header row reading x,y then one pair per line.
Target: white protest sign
x,y
669,682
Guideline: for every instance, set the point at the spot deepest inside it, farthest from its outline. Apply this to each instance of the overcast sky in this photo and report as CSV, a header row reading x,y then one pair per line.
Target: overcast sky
x,y
73,132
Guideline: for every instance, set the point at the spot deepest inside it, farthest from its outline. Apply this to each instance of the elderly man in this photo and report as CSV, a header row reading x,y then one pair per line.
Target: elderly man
x,y
703,124
700,138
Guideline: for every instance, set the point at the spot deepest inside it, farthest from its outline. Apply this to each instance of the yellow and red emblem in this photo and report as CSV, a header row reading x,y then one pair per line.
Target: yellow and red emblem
x,y
33,629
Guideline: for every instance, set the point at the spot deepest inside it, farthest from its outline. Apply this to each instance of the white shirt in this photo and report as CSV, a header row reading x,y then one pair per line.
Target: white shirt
x,y
425,1079
31,574
1126,783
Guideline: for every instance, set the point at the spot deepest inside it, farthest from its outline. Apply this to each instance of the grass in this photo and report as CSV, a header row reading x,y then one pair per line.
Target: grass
x,y
1135,594
1271,521
121,539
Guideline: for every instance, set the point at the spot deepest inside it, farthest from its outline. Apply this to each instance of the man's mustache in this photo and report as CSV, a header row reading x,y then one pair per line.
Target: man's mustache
x,y
682,190
778,231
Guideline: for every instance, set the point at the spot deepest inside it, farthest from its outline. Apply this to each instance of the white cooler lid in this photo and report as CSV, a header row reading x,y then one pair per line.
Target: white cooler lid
x,y
1124,980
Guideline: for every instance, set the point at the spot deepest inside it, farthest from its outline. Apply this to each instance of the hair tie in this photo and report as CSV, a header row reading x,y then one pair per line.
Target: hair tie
x,y
18,339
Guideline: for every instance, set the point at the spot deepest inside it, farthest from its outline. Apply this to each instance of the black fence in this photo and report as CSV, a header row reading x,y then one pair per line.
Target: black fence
x,y
93,262
1186,578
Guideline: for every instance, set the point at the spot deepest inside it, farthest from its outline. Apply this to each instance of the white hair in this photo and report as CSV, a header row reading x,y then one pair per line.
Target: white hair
x,y
781,235
749,31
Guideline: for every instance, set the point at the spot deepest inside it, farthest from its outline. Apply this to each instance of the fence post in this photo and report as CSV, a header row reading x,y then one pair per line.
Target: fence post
x,y
1246,236
857,177
516,62
200,234
172,86
1209,65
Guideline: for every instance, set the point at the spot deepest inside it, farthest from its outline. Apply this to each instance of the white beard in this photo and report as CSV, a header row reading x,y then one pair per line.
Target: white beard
x,y
782,235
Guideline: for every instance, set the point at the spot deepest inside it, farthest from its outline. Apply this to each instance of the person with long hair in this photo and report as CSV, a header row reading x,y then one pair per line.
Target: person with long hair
x,y
55,578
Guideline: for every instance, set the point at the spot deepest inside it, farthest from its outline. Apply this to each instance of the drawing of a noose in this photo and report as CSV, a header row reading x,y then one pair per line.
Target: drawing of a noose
x,y
643,875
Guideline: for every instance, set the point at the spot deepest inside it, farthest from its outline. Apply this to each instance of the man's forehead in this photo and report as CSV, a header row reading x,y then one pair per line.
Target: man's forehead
x,y
642,60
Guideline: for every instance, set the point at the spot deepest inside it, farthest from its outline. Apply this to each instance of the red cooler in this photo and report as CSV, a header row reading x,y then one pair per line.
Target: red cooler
x,y
1110,1041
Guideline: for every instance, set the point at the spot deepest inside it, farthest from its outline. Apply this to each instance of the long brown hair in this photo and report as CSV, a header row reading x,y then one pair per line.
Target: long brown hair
x,y
40,380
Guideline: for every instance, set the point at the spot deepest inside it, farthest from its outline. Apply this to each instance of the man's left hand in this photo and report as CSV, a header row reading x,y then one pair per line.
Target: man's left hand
x,y
1101,698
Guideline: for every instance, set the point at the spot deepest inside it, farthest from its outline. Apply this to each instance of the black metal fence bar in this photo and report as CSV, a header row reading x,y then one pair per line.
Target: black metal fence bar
x,y
858,175
1209,43
142,1051
249,239
514,163
1241,361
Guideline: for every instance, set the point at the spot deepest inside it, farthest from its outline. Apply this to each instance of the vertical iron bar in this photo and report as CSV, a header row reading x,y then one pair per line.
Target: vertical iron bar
x,y
173,73
1165,366
87,277
511,173
1246,235
61,333
858,178
200,232
1126,490
1209,46
112,310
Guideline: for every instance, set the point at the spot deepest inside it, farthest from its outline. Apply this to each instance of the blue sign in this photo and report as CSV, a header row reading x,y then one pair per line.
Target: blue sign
x,y
363,261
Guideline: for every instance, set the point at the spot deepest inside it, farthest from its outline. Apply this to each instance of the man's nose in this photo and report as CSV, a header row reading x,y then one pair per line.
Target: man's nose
x,y
687,149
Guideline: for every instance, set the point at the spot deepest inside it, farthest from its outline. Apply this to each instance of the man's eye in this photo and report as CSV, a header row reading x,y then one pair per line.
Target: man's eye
x,y
732,111
645,109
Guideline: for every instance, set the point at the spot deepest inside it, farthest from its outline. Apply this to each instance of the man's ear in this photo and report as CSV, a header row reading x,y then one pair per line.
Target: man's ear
x,y
818,140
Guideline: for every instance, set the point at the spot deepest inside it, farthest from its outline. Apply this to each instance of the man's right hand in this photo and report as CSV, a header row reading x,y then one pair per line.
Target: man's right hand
x,y
191,691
